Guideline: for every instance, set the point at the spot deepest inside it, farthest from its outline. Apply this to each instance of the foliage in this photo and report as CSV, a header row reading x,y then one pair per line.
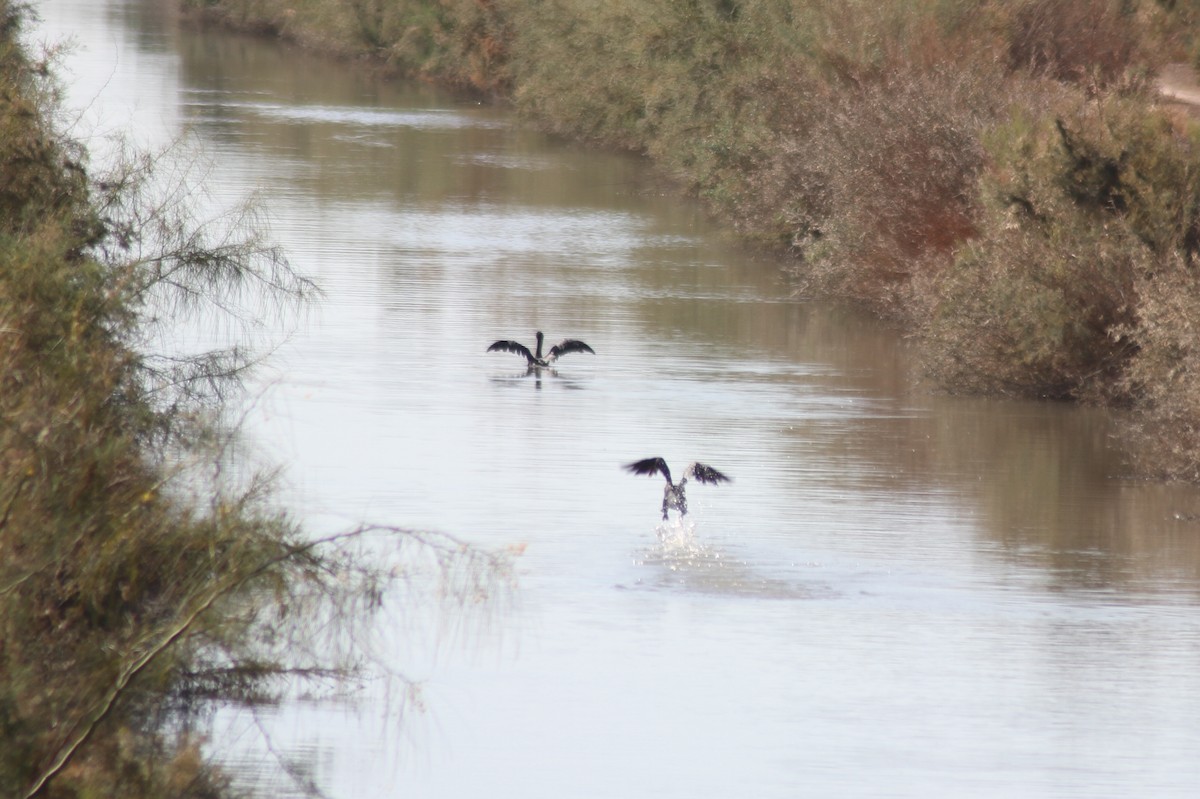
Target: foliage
x,y
901,155
1086,207
1164,436
140,574
460,43
1076,40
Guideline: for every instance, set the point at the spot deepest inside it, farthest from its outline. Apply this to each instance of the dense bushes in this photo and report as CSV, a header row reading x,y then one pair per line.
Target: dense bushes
x,y
140,575
998,177
460,43
1080,283
1165,376
1075,41
900,158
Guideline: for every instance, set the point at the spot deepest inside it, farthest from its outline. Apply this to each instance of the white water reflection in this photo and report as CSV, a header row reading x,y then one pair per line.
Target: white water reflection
x,y
433,119
899,595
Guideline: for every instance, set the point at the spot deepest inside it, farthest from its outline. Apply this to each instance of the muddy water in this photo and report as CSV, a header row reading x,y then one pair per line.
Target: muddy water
x,y
899,594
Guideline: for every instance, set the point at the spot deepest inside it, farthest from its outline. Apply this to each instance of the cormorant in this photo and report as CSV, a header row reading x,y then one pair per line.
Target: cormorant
x,y
535,358
673,495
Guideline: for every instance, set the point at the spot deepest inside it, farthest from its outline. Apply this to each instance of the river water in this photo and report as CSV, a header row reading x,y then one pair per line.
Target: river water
x,y
899,594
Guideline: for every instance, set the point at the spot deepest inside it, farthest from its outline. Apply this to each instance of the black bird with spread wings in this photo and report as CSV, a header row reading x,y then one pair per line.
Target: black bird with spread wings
x,y
673,494
564,347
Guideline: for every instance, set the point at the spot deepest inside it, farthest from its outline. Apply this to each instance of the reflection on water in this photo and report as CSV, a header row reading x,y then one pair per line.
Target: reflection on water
x,y
901,594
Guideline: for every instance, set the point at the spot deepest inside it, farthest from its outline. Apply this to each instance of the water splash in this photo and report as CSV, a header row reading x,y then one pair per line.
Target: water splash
x,y
679,549
677,539
685,562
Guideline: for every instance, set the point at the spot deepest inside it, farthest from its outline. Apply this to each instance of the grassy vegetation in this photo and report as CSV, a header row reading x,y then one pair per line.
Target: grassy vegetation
x,y
143,577
1000,178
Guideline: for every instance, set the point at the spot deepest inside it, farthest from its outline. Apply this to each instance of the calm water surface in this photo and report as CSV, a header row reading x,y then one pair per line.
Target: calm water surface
x,y
899,594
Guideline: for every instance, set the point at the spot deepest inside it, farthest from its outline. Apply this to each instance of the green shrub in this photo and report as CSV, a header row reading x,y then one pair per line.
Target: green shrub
x,y
1033,312
1082,205
1164,376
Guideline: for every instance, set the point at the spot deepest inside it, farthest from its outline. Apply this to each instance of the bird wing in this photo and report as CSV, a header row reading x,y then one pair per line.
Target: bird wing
x,y
705,474
512,346
567,346
650,466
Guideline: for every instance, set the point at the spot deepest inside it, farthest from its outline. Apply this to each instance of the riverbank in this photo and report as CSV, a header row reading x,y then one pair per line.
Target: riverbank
x,y
1004,181
140,584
